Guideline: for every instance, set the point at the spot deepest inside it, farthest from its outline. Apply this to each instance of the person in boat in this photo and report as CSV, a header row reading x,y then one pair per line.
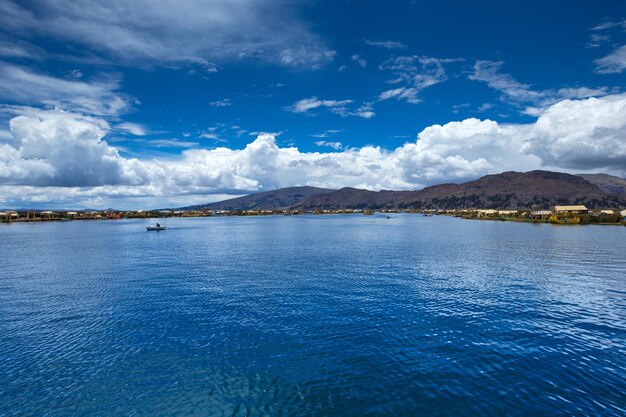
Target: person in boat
x,y
158,225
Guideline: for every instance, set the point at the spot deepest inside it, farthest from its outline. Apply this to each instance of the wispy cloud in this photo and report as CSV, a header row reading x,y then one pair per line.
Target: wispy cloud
x,y
15,48
604,34
596,40
365,111
262,133
212,134
386,44
532,101
359,60
304,56
338,107
203,64
141,33
489,73
335,145
403,93
416,73
132,128
327,133
609,24
221,103
484,107
76,73
613,63
171,143
96,97
306,104
457,107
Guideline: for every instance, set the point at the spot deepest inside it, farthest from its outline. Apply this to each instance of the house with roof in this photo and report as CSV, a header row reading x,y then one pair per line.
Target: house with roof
x,y
565,210
487,214
540,214
507,214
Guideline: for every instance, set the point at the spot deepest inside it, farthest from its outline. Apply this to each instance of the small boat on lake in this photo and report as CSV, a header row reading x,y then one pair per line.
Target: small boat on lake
x,y
158,227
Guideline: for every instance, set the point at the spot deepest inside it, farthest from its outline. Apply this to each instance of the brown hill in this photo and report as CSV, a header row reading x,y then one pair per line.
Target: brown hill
x,y
608,183
269,200
512,190
508,190
515,190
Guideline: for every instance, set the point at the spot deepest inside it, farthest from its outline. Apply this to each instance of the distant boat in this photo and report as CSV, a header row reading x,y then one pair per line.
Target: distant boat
x,y
157,228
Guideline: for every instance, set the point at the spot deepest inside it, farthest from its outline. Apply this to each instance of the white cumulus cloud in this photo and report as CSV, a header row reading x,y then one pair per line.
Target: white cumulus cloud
x,y
582,134
57,148
60,156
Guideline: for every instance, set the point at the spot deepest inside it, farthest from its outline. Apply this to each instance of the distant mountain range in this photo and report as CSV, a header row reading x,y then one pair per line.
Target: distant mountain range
x,y
608,183
508,190
268,200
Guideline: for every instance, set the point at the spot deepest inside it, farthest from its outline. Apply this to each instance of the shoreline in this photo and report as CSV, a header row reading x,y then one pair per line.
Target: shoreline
x,y
588,220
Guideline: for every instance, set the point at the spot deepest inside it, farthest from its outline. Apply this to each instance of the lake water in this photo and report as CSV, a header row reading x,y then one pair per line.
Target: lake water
x,y
312,316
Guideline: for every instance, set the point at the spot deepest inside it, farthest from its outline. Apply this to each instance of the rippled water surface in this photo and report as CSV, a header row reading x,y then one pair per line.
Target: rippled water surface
x,y
312,315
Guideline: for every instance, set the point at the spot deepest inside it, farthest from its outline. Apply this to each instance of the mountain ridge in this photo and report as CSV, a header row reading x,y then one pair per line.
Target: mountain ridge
x,y
608,183
507,190
281,198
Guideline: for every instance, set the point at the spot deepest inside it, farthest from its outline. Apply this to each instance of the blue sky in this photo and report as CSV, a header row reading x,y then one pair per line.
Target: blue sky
x,y
166,103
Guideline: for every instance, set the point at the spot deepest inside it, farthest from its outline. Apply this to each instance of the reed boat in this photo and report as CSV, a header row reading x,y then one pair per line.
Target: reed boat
x,y
564,220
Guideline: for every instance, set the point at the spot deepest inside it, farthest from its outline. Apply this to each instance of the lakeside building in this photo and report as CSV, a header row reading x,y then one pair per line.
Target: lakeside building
x,y
602,213
507,214
540,214
487,214
580,209
10,215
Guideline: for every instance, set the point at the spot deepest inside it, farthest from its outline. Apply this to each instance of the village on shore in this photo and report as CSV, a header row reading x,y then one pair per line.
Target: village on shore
x,y
578,214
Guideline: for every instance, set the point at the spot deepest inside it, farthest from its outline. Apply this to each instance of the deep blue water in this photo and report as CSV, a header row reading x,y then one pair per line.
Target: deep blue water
x,y
312,316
